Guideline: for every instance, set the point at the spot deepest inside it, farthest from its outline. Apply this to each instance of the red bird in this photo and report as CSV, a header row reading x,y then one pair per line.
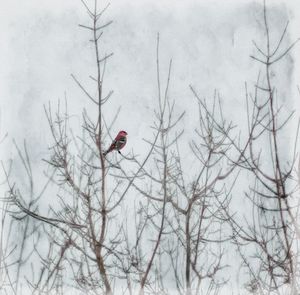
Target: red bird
x,y
118,143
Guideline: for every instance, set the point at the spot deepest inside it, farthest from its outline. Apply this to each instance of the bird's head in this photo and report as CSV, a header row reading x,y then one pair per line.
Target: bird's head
x,y
122,133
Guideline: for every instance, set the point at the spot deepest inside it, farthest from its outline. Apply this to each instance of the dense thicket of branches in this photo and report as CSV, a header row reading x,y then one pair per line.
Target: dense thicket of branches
x,y
173,238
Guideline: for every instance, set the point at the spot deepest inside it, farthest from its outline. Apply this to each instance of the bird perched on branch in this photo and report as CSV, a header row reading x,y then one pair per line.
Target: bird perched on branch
x,y
118,143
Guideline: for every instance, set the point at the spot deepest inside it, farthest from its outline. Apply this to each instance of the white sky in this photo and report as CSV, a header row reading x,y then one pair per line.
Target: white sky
x,y
41,45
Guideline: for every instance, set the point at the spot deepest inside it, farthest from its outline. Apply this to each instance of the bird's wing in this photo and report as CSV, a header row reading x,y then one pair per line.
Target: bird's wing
x,y
113,145
120,142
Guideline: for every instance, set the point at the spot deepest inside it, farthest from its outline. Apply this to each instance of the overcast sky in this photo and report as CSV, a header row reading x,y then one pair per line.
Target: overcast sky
x,y
209,42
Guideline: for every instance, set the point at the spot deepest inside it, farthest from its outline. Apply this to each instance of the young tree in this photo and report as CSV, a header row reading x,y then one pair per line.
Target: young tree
x,y
182,215
268,239
80,227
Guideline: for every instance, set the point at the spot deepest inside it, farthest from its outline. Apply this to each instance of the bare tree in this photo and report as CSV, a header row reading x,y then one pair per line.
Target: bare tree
x,y
84,238
267,240
180,218
79,223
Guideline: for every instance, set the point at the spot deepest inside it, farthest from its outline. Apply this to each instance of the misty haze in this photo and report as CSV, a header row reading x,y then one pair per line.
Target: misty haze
x,y
149,147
